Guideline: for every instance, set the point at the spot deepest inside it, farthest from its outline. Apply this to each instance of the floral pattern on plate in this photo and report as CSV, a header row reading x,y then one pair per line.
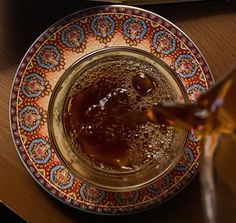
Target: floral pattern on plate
x,y
57,49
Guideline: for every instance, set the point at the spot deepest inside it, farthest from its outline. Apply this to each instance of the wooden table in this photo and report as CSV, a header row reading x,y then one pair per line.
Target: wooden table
x,y
211,26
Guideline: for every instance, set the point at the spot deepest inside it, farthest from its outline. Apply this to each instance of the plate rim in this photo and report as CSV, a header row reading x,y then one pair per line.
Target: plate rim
x,y
48,31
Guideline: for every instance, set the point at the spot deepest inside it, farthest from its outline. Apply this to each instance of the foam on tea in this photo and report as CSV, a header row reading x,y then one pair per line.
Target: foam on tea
x,y
110,89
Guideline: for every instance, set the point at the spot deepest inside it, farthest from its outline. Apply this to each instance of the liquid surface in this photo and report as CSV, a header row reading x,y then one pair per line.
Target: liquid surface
x,y
109,90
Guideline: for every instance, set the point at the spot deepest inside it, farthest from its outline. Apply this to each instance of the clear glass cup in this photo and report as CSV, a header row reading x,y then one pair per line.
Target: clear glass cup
x,y
82,167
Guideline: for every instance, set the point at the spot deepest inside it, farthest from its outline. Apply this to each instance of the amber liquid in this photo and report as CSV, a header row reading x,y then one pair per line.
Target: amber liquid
x,y
110,90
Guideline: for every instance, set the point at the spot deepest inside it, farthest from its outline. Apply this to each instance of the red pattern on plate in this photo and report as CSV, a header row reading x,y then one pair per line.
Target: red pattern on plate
x,y
59,47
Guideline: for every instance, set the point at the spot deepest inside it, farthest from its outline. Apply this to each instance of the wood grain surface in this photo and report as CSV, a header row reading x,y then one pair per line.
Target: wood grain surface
x,y
211,26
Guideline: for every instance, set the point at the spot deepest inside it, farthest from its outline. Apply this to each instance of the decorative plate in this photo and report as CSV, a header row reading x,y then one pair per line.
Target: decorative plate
x,y
48,58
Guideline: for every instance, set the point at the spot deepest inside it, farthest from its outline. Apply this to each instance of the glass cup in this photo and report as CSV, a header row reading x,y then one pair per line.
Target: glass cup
x,y
79,163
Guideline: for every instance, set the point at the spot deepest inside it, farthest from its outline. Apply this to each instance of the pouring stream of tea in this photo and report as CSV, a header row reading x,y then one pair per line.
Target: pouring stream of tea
x,y
213,114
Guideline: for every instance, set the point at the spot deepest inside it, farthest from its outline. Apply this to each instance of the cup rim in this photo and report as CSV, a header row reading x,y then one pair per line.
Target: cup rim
x,y
106,175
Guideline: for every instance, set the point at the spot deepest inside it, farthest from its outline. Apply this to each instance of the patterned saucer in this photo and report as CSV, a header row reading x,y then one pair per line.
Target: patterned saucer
x,y
48,58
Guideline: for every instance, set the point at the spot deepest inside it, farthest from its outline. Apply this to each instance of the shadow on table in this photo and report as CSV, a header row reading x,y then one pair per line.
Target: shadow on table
x,y
6,215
